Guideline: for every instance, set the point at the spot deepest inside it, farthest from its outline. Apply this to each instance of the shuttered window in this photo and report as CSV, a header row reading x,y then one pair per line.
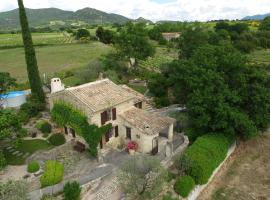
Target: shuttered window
x,y
104,117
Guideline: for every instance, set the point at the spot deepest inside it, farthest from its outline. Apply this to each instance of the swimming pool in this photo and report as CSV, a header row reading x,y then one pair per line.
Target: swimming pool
x,y
13,99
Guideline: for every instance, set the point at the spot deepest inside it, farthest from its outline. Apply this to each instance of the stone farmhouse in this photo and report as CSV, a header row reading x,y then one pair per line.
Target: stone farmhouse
x,y
105,102
170,36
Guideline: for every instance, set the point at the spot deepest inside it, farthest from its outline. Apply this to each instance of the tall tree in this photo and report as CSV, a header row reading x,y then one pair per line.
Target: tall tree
x,y
133,42
30,56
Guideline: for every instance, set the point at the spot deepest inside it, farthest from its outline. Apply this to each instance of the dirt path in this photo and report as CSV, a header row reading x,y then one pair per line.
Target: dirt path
x,y
246,176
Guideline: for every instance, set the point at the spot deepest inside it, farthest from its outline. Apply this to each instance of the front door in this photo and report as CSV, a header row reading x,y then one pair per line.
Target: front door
x,y
128,133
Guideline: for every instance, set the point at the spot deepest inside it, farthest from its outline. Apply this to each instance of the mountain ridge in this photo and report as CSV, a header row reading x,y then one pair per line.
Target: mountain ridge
x,y
256,17
43,16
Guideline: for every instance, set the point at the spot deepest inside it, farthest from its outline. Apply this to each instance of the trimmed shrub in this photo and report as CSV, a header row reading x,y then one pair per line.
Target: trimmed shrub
x,y
204,156
57,139
53,174
44,126
33,167
72,191
3,161
184,185
30,109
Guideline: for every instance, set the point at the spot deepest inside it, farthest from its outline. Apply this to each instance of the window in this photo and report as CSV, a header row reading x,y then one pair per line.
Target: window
x,y
108,115
128,133
138,136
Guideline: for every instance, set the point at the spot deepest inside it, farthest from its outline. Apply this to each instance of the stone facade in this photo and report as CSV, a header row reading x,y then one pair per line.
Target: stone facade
x,y
115,112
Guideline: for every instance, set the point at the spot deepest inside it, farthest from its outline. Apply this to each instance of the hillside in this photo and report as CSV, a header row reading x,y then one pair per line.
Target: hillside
x,y
256,17
39,17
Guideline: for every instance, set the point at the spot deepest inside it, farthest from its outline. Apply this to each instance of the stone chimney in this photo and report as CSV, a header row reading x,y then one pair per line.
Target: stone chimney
x,y
56,85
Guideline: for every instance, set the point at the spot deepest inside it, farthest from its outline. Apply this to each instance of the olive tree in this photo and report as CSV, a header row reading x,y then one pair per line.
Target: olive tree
x,y
142,177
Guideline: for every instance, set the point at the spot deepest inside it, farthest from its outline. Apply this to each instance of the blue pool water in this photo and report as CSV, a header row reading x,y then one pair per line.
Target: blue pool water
x,y
12,94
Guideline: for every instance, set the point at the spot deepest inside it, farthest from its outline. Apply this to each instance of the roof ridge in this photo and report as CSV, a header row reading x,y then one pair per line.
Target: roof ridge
x,y
89,84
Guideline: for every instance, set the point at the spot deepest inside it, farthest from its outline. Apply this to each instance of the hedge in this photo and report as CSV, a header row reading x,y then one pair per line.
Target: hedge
x,y
57,139
205,155
72,191
64,114
53,174
44,126
33,167
3,162
184,185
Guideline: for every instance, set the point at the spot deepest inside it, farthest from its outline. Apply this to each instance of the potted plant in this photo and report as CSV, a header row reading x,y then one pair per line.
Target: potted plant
x,y
132,146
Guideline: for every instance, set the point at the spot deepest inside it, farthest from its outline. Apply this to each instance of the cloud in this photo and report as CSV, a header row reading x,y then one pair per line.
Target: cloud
x,y
155,10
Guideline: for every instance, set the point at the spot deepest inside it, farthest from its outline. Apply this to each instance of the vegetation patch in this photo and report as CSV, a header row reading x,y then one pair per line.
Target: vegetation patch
x,y
72,191
53,174
204,156
33,167
64,114
57,139
184,185
44,126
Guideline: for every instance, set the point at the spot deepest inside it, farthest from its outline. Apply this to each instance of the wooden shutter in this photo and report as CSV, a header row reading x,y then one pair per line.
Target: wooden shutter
x,y
114,113
104,117
116,131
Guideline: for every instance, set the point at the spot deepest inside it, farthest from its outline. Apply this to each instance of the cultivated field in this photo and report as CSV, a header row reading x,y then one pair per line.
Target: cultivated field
x,y
52,59
247,176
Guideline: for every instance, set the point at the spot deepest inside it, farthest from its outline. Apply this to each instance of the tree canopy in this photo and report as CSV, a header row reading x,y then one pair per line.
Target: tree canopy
x,y
6,82
222,92
265,25
133,42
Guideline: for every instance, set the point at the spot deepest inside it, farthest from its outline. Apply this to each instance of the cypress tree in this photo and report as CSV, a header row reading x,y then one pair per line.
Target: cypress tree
x,y
30,56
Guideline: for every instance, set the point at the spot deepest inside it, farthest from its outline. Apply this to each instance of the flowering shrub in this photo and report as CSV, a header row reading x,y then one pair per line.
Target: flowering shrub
x,y
132,145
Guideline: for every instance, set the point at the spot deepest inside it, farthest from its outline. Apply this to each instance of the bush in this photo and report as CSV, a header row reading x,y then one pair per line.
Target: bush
x,y
53,174
3,161
184,185
30,109
44,126
204,156
72,191
57,139
168,197
33,167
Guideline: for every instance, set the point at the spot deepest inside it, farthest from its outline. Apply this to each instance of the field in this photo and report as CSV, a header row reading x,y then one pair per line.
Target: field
x,y
261,56
52,59
15,40
246,176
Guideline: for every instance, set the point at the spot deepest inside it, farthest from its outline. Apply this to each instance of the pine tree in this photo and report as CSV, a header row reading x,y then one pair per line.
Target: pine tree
x,y
30,56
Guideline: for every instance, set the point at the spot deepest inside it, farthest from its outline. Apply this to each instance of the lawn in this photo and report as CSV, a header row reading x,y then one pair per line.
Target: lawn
x,y
52,59
261,56
27,146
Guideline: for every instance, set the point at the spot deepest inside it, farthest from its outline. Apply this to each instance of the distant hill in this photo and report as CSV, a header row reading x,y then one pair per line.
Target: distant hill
x,y
39,17
143,20
256,17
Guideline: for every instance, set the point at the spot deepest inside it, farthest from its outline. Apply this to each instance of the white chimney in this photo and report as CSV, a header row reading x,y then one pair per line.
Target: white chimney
x,y
56,85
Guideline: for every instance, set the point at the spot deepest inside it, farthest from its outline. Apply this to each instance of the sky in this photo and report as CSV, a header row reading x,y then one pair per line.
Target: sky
x,y
155,10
